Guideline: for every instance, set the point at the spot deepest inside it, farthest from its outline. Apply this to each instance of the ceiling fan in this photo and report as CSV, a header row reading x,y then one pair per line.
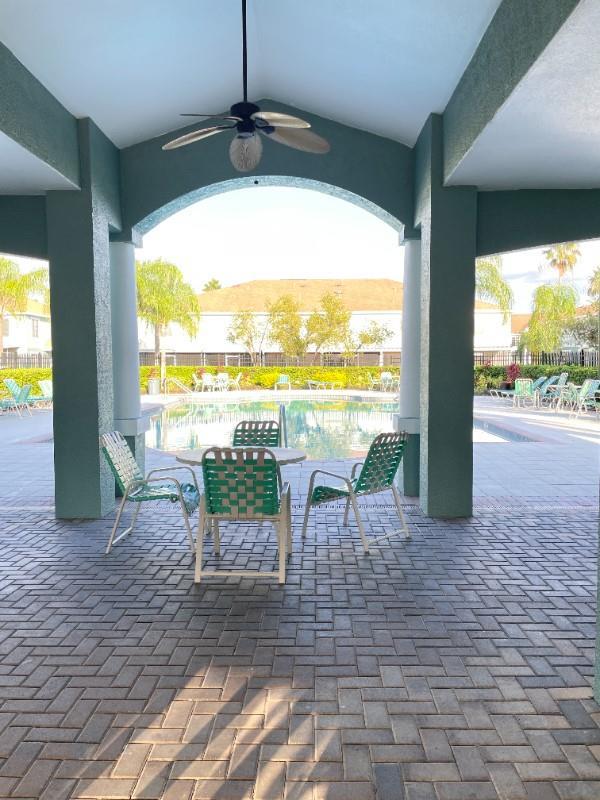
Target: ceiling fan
x,y
247,118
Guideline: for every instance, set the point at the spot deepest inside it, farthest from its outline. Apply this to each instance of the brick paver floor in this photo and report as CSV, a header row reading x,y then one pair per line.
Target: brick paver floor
x,y
457,665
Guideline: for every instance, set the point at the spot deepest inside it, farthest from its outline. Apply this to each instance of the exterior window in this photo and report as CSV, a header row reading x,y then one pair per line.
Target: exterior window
x,y
35,328
5,327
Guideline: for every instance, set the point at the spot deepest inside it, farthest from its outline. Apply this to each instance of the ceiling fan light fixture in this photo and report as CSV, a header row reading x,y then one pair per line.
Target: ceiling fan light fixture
x,y
245,151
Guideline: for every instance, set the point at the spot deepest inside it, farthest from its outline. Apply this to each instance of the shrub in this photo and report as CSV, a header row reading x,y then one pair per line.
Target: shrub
x,y
494,375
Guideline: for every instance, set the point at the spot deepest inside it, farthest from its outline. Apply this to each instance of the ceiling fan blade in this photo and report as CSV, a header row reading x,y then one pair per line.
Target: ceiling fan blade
x,y
299,139
213,116
195,136
280,120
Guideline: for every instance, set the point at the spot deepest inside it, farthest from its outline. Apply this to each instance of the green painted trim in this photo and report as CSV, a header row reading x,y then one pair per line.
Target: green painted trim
x,y
23,226
361,164
513,41
35,119
515,220
411,465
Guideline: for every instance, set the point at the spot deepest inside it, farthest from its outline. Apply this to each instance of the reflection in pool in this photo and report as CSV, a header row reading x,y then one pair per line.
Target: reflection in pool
x,y
326,429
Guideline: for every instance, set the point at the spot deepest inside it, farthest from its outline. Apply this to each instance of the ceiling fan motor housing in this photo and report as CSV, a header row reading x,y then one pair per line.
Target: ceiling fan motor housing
x,y
245,111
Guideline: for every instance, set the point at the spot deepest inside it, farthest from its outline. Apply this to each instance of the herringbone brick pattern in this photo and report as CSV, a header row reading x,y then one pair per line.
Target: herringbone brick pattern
x,y
453,666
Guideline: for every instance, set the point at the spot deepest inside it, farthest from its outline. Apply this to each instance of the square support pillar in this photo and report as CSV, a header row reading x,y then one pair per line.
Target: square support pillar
x,y
81,354
448,221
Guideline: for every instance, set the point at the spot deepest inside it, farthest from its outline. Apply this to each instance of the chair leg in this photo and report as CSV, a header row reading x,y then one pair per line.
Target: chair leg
x,y
280,527
216,538
346,511
186,520
111,538
405,527
311,483
200,540
361,529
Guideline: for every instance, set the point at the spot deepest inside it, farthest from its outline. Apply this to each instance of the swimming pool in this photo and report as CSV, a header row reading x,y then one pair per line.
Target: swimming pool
x,y
325,429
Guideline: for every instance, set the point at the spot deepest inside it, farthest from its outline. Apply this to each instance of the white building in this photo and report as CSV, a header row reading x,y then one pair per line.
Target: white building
x,y
27,333
375,299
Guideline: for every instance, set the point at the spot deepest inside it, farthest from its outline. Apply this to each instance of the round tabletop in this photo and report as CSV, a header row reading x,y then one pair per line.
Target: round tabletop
x,y
283,455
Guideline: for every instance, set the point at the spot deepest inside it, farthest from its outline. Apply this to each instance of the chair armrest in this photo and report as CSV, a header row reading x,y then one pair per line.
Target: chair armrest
x,y
355,467
171,469
332,475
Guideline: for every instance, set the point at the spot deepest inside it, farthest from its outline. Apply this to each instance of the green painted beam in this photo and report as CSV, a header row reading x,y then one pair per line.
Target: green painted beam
x,y
23,226
513,41
35,119
157,183
514,220
447,217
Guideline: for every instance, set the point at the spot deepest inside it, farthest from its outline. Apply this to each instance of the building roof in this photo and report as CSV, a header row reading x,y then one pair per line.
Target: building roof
x,y
370,294
518,322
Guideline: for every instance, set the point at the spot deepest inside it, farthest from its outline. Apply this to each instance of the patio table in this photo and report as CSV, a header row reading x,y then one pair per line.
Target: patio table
x,y
283,455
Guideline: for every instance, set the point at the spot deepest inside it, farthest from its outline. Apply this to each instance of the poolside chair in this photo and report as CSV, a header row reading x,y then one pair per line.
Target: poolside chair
x,y
585,397
139,489
283,382
206,382
235,383
387,381
376,475
19,397
523,393
222,382
556,390
259,432
374,383
242,485
545,392
45,398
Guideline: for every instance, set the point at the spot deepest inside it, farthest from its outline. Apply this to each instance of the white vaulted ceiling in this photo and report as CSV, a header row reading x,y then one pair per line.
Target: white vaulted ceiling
x,y
134,65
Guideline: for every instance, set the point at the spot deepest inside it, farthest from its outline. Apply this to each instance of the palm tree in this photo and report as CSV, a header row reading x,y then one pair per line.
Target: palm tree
x,y
562,258
594,286
16,289
491,286
164,297
211,285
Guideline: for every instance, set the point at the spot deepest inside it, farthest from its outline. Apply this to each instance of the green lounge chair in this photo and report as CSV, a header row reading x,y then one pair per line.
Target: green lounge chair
x,y
19,397
523,393
235,383
377,475
242,485
544,392
585,397
138,489
283,382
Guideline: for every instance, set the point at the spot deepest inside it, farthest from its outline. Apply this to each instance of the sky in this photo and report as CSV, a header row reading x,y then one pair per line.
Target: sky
x,y
284,232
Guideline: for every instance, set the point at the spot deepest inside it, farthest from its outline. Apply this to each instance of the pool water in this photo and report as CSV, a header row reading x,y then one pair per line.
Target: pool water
x,y
325,429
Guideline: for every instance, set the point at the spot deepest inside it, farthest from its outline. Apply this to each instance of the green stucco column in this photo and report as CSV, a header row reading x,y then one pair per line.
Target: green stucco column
x,y
447,218
125,348
408,418
78,251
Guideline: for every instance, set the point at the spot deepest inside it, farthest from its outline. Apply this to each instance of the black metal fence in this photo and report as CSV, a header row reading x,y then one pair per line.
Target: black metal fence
x,y
502,358
10,360
272,360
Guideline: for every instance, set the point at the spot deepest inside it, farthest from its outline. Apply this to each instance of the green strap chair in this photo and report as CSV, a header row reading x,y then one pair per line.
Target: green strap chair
x,y
138,489
283,382
523,393
376,475
260,432
241,484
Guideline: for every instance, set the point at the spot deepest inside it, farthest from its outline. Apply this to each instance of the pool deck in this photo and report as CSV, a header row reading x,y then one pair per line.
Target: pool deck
x,y
455,666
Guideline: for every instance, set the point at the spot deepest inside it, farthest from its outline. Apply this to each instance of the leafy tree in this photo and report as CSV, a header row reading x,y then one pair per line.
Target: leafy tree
x,y
584,330
211,285
562,258
16,288
373,336
164,297
553,311
286,327
490,285
329,325
246,329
